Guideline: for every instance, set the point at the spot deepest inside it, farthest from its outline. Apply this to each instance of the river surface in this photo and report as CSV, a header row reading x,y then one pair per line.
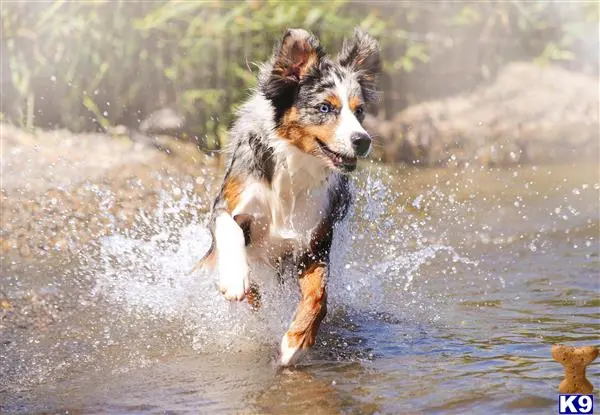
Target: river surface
x,y
447,290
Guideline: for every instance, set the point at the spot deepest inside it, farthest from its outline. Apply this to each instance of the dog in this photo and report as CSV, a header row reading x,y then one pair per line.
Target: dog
x,y
286,184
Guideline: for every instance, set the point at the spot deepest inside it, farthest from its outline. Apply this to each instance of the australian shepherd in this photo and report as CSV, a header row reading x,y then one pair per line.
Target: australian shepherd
x,y
286,185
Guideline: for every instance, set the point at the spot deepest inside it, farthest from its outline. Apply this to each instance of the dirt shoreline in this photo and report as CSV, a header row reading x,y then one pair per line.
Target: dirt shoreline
x,y
61,190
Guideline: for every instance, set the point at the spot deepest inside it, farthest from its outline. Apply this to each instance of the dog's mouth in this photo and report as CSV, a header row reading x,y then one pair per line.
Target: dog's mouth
x,y
341,161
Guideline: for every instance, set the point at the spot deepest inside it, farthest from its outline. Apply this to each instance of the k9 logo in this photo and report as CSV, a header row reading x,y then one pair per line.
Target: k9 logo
x,y
575,404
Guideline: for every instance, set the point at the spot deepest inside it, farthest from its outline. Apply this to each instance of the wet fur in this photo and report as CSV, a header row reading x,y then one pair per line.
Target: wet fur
x,y
283,191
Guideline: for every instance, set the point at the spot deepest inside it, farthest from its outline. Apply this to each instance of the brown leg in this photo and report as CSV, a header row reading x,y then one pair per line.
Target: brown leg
x,y
309,314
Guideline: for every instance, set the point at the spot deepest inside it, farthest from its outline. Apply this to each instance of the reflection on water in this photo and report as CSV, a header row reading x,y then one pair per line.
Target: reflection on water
x,y
447,289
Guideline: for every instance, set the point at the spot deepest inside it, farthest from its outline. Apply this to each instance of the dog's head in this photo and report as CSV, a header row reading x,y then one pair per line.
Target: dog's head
x,y
320,102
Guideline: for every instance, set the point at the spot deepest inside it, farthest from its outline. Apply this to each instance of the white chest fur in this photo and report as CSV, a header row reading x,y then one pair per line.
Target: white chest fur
x,y
298,205
287,212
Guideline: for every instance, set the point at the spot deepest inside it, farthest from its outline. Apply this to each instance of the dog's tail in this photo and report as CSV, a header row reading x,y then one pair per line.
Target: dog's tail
x,y
209,260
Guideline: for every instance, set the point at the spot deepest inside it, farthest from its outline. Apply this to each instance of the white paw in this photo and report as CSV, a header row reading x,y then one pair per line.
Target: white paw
x,y
232,263
288,355
233,279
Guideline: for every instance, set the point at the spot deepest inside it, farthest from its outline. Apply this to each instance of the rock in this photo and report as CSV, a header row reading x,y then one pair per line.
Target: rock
x,y
163,129
529,114
165,121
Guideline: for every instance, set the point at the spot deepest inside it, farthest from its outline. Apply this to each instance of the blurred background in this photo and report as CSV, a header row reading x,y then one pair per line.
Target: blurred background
x,y
86,66
473,246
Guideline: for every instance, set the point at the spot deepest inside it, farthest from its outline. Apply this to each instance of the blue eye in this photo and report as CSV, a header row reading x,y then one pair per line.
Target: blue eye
x,y
324,108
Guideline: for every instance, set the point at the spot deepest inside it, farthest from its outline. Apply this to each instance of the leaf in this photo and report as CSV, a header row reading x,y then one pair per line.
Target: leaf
x,y
89,103
49,13
208,96
312,17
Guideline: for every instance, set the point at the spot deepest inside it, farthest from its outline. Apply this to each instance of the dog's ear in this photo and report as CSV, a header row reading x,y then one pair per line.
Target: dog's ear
x,y
298,53
361,54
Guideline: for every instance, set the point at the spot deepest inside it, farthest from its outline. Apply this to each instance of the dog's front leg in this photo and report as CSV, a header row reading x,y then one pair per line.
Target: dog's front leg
x,y
240,219
309,314
232,263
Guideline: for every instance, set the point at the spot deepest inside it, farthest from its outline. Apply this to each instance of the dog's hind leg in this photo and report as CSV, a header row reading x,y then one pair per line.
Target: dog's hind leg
x,y
311,311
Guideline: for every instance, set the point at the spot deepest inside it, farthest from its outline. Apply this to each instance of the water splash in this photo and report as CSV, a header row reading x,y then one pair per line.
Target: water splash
x,y
376,259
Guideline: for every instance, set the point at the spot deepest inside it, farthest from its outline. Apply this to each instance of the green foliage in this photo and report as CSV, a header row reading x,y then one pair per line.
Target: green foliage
x,y
89,65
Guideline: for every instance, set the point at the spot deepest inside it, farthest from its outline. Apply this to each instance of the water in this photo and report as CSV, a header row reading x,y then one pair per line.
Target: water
x,y
447,290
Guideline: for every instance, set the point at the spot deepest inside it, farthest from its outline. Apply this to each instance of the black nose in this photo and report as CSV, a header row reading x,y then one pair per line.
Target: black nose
x,y
361,143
